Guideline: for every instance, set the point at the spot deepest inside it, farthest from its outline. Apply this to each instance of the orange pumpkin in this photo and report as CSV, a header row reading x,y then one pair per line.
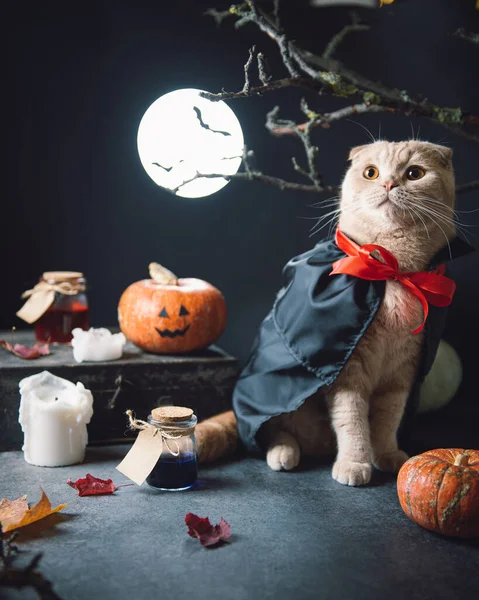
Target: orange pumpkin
x,y
167,315
440,491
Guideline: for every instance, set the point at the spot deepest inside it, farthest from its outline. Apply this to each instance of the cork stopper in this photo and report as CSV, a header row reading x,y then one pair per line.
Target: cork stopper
x,y
60,276
171,414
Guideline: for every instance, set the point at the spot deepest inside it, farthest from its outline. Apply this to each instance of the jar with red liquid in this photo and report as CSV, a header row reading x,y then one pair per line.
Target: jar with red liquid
x,y
68,310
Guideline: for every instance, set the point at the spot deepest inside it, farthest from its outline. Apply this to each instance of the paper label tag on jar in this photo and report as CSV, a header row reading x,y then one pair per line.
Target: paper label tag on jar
x,y
143,455
36,305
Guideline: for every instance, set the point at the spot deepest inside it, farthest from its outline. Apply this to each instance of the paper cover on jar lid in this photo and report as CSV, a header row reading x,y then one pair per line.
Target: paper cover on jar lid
x,y
172,413
60,276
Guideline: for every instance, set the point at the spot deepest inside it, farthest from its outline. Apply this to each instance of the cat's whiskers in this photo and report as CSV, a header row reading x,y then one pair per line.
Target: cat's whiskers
x,y
321,202
440,204
440,228
415,138
332,221
373,139
467,212
333,214
418,214
316,218
435,207
448,220
411,215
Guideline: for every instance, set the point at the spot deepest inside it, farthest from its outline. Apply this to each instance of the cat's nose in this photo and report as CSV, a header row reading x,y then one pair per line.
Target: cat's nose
x,y
389,185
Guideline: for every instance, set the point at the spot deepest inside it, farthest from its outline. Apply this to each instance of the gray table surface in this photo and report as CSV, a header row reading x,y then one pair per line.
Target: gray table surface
x,y
295,535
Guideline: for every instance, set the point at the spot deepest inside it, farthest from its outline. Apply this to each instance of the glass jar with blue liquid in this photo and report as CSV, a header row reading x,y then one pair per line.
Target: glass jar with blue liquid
x,y
177,468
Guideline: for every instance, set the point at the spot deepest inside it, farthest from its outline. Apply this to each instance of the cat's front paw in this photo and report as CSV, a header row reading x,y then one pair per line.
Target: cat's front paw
x,y
390,462
283,457
348,472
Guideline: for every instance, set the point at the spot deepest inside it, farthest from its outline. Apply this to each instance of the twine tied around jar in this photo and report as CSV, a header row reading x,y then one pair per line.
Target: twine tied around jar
x,y
41,297
172,433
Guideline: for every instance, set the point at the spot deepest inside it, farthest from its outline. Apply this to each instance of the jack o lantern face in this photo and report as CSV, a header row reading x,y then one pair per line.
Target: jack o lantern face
x,y
173,333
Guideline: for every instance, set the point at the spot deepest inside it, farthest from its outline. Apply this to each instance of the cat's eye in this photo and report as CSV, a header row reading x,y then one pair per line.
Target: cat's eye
x,y
414,173
371,173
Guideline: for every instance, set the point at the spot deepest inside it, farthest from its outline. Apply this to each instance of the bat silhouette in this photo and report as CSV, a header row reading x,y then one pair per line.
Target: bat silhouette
x,y
167,169
205,125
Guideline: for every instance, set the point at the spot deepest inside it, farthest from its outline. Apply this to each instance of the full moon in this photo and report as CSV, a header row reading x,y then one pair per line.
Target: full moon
x,y
182,136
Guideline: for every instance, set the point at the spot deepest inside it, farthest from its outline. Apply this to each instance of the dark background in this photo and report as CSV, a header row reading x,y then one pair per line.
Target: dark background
x,y
79,77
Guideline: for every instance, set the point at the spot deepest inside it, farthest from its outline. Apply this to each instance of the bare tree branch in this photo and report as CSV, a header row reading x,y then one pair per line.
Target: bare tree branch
x,y
345,31
329,76
269,86
264,77
283,127
346,82
276,13
469,36
247,67
282,184
467,187
323,74
218,15
19,578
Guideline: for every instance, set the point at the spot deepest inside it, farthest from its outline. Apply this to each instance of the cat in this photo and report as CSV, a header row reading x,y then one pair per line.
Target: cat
x,y
399,195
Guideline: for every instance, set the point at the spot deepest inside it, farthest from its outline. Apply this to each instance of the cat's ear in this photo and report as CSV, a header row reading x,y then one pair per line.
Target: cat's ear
x,y
355,151
444,152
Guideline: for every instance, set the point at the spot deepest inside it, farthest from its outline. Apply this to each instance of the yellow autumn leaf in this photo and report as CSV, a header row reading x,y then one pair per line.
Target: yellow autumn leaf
x,y
12,511
15,513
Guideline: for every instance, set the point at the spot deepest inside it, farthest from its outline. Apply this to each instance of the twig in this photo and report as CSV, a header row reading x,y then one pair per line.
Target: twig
x,y
324,75
280,127
19,578
339,37
330,76
247,67
467,187
264,77
282,184
469,36
345,82
274,32
269,86
218,15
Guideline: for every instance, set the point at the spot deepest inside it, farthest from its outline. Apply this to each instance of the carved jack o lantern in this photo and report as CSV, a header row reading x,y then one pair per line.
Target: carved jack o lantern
x,y
167,315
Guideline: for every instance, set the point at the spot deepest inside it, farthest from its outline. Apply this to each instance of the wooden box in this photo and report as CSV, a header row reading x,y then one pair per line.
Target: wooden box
x,y
140,381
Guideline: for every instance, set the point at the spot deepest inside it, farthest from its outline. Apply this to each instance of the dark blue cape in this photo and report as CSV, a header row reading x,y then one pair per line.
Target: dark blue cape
x,y
315,324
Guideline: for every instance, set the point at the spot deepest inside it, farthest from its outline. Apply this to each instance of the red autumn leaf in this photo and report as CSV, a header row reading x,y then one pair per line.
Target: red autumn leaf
x,y
208,534
26,351
92,486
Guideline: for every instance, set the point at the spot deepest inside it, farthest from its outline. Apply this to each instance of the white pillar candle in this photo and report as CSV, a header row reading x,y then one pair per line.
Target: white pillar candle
x,y
54,413
97,344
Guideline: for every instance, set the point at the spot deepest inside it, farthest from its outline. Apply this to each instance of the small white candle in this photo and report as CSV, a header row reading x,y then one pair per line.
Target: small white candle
x,y
97,345
54,413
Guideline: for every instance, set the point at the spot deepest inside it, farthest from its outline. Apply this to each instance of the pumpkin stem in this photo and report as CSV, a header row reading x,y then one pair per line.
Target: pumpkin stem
x,y
461,460
162,275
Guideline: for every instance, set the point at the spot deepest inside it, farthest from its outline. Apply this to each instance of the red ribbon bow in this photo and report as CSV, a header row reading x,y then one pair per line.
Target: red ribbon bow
x,y
427,286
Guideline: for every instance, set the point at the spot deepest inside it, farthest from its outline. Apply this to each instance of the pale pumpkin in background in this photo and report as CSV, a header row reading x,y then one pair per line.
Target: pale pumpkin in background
x,y
439,490
442,381
167,315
